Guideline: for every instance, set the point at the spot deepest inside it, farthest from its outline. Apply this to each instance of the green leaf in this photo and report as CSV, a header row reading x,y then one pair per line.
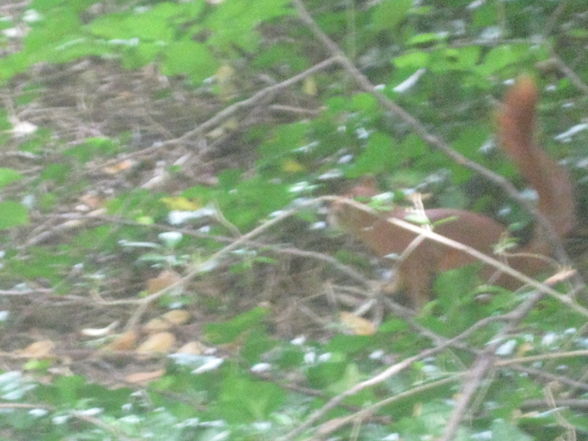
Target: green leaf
x,y
503,56
245,202
56,172
228,331
351,344
325,374
378,156
389,13
13,214
412,60
57,27
256,399
427,38
234,23
8,176
91,148
147,27
505,431
145,53
189,58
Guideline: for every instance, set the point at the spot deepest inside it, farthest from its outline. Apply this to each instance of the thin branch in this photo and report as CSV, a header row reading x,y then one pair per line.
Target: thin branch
x,y
573,403
513,318
574,78
542,357
419,128
229,111
334,425
481,367
502,267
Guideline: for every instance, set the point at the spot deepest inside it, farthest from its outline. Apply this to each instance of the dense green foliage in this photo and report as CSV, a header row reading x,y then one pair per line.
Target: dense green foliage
x,y
101,96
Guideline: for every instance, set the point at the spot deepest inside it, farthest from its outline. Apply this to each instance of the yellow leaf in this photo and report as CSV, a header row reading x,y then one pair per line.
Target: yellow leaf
x,y
180,203
225,73
523,348
292,166
357,325
309,87
225,79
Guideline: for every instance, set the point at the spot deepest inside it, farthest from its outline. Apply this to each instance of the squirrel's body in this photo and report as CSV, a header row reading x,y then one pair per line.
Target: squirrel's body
x,y
418,268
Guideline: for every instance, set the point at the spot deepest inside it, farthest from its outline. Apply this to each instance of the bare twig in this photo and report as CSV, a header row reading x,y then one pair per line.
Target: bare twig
x,y
543,357
574,78
484,362
502,267
229,111
332,426
419,128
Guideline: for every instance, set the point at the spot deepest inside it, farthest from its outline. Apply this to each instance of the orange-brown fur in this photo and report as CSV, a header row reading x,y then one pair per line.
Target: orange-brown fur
x,y
417,270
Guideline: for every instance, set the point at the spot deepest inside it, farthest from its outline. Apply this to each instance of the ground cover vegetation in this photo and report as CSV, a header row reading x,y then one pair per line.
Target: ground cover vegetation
x,y
167,270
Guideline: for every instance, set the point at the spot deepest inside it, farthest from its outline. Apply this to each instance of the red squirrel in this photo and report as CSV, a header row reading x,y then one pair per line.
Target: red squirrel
x,y
418,268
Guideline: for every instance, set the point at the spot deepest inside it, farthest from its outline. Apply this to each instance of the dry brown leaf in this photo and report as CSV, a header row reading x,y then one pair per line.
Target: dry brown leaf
x,y
163,280
177,316
123,342
157,324
92,201
118,167
167,321
357,325
144,377
162,342
193,348
38,349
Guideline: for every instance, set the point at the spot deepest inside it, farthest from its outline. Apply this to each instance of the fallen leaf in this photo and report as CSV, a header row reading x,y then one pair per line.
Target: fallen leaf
x,y
144,377
123,342
166,321
309,86
163,280
180,203
193,348
162,342
38,349
118,167
357,325
92,201
292,166
177,316
157,324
